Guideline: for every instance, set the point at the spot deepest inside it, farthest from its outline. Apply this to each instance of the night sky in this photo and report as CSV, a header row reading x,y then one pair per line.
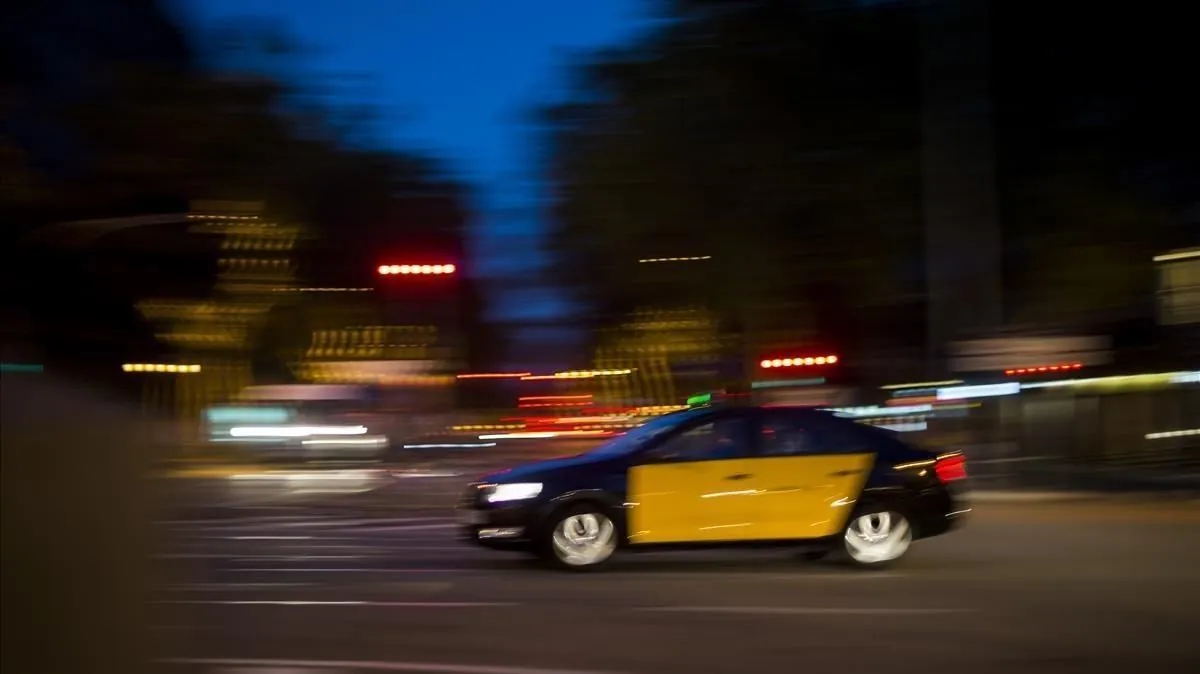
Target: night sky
x,y
456,78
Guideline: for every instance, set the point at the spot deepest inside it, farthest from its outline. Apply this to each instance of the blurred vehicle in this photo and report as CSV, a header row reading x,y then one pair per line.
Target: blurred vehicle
x,y
301,422
725,475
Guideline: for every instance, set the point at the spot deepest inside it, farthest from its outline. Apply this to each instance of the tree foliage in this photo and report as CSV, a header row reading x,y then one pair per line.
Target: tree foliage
x,y
776,138
782,137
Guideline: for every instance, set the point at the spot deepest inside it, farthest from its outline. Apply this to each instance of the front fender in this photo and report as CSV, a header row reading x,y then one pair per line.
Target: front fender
x,y
613,506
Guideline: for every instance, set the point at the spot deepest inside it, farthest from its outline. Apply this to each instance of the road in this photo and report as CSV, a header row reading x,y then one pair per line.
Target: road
x,y
375,581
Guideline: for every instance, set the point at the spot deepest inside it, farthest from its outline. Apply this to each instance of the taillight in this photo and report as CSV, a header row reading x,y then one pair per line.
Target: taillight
x,y
951,468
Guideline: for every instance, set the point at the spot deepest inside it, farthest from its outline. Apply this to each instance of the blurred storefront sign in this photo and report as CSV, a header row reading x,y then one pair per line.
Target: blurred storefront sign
x,y
1179,287
992,355
1179,302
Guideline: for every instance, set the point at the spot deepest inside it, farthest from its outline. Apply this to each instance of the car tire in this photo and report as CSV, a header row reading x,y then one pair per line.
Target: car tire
x,y
581,537
875,537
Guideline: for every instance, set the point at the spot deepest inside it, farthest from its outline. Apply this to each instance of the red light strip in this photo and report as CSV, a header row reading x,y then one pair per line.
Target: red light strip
x,y
575,404
494,375
804,361
587,396
418,269
1044,368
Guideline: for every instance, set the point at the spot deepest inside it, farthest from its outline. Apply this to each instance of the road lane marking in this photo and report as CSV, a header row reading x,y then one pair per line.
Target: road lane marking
x,y
367,603
202,540
264,519
746,571
381,521
294,558
381,547
378,666
802,610
267,538
414,527
219,587
353,570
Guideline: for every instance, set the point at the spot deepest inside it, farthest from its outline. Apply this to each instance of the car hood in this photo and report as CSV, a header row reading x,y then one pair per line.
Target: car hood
x,y
539,469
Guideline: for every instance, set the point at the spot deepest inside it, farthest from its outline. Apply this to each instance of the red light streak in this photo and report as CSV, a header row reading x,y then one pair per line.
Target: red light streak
x,y
1044,368
566,404
494,375
801,361
417,269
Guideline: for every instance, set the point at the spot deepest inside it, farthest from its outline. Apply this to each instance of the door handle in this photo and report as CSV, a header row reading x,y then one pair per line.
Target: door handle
x,y
738,476
844,473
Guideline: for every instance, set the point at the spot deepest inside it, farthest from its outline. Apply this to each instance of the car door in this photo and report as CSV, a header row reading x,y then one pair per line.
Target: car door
x,y
805,481
693,485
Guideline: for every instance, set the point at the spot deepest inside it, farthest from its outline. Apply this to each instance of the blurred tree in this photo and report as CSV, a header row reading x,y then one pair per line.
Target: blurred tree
x,y
148,132
1098,155
779,138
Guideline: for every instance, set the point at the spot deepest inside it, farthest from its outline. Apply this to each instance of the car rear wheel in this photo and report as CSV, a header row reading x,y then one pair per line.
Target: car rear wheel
x,y
876,537
581,538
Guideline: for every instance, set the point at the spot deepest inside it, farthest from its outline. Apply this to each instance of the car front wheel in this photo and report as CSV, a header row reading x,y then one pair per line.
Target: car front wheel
x,y
877,537
581,538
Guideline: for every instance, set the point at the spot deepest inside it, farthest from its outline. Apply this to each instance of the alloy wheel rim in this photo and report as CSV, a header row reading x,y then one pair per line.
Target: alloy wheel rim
x,y
584,539
878,537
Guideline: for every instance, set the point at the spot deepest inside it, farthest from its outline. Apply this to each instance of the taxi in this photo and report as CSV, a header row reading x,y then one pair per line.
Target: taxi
x,y
724,476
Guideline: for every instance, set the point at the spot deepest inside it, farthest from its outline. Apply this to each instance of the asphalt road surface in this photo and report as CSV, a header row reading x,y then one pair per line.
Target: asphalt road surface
x,y
327,580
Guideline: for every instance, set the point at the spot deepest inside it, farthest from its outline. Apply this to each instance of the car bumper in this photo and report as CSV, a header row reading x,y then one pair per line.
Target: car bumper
x,y
505,527
940,511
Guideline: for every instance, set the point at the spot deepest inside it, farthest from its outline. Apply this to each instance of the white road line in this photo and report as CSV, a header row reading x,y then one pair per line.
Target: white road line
x,y
201,540
381,547
352,570
243,557
802,610
264,519
414,527
747,572
295,558
265,538
379,666
384,604
221,587
382,521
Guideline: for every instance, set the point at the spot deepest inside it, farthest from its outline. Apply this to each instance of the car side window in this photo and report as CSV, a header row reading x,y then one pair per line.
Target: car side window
x,y
782,434
843,436
724,438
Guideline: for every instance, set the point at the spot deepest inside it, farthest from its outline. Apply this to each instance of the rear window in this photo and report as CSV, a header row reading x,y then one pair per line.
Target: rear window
x,y
848,436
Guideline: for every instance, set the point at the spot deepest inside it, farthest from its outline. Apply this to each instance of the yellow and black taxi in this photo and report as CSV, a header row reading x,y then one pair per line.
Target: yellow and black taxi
x,y
711,476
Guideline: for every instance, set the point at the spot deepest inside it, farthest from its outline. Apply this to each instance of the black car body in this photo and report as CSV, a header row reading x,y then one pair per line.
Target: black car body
x,y
724,476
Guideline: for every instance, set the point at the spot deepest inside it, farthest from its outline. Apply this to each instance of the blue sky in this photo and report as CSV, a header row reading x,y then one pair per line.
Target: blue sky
x,y
456,78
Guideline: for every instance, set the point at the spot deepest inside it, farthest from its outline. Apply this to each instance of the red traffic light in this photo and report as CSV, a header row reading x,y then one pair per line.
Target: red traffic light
x,y
417,269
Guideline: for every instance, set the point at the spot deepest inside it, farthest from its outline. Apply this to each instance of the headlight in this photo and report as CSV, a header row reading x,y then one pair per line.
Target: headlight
x,y
513,492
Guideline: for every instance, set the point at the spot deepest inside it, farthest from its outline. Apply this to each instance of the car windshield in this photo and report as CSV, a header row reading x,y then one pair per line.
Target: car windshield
x,y
636,437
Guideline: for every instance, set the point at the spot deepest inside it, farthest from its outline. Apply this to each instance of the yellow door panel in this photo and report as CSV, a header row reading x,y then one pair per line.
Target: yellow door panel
x,y
691,502
805,496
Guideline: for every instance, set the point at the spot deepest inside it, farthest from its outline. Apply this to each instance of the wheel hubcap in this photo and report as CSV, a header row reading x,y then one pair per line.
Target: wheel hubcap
x,y
587,538
878,537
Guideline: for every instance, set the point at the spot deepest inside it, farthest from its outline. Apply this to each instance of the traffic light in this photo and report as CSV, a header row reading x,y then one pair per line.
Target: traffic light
x,y
417,269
